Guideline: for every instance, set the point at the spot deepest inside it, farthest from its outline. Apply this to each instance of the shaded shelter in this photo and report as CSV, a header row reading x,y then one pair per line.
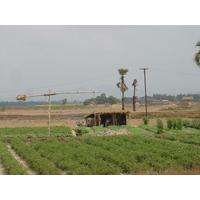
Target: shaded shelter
x,y
108,118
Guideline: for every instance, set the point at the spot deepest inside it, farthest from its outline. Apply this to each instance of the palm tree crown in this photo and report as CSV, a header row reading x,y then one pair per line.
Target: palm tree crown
x,y
122,71
197,55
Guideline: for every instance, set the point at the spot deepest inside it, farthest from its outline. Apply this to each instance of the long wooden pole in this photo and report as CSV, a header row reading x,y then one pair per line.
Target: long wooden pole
x,y
145,88
49,113
24,96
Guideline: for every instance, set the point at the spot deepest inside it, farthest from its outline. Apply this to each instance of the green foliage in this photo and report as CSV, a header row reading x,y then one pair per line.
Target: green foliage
x,y
186,123
123,154
149,128
135,130
160,126
171,123
97,128
195,124
35,132
175,123
82,130
197,55
146,120
122,71
64,102
179,123
41,165
102,99
13,167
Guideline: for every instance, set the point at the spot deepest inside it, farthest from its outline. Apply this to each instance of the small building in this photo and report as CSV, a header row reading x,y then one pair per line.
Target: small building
x,y
187,99
108,118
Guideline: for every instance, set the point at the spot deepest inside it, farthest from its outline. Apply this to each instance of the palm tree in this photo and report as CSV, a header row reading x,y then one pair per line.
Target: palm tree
x,y
197,55
122,84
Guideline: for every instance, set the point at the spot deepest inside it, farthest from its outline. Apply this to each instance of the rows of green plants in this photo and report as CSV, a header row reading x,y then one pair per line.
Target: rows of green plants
x,y
35,132
135,130
120,154
149,128
12,166
60,155
190,139
76,157
174,125
41,165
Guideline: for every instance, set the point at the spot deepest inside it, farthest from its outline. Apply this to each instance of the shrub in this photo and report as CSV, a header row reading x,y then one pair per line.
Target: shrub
x,y
186,123
170,123
146,120
195,124
160,126
179,123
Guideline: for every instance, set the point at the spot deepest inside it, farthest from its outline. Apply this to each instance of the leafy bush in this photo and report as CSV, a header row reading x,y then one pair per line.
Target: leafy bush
x,y
171,123
175,123
186,123
160,126
146,120
179,123
195,124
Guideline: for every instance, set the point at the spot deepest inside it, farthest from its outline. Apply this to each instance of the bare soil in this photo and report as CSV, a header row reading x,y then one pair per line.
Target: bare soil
x,y
68,116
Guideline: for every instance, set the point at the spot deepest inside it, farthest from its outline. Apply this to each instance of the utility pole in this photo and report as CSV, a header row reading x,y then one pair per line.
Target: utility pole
x,y
134,97
49,112
145,88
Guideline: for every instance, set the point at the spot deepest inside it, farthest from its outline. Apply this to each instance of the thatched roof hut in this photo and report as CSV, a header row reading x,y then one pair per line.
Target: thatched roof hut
x,y
108,118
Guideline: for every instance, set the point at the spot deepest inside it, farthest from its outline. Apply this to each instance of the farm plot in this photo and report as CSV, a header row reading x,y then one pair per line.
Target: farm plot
x,y
34,132
9,162
189,139
122,154
125,154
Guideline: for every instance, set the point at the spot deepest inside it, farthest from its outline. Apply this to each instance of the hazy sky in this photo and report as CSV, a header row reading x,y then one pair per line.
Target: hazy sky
x,y
34,59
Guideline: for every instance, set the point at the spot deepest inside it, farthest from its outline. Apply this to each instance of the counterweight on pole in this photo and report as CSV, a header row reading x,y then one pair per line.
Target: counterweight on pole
x,y
24,96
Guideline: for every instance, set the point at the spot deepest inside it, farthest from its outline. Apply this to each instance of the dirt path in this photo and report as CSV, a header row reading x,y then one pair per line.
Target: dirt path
x,y
2,169
21,161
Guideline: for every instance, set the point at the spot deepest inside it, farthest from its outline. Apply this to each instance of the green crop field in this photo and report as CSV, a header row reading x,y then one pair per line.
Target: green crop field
x,y
124,154
34,132
142,151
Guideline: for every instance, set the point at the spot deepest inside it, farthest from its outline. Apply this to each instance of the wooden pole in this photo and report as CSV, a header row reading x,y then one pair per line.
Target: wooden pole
x,y
145,88
49,113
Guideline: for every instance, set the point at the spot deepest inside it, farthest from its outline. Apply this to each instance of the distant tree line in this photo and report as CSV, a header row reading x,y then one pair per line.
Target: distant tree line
x,y
196,97
102,99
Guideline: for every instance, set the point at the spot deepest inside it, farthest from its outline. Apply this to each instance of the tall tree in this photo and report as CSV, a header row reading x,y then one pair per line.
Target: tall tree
x,y
197,55
134,97
122,84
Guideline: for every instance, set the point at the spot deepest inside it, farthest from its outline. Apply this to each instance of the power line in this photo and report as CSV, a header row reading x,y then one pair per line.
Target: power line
x,y
173,72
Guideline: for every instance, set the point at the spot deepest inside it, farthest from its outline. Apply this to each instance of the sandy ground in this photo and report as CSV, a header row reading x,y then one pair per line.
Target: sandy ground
x,y
68,116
